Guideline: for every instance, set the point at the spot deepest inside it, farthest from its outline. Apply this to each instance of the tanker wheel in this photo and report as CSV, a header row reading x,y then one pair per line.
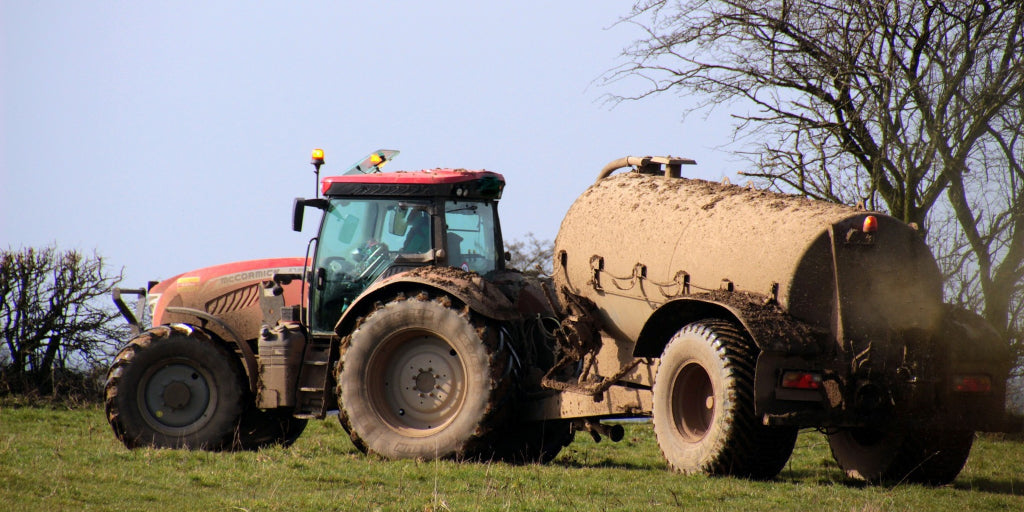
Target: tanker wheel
x,y
932,457
532,442
704,406
422,380
262,428
175,387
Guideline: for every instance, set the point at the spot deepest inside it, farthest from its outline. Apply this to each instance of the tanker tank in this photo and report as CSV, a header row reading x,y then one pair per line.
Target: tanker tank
x,y
634,241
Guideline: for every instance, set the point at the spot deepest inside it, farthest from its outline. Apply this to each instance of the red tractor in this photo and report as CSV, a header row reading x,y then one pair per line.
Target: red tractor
x,y
403,323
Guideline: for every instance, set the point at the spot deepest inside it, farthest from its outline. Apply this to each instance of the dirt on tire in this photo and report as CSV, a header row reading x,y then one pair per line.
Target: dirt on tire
x,y
175,387
704,407
422,378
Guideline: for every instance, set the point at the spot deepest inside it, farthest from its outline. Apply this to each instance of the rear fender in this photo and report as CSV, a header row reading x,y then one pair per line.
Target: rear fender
x,y
470,288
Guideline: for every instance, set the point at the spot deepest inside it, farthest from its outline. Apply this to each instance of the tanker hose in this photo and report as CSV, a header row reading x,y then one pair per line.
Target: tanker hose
x,y
620,163
647,164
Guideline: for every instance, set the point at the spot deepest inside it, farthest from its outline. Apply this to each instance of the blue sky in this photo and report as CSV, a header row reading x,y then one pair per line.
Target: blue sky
x,y
174,135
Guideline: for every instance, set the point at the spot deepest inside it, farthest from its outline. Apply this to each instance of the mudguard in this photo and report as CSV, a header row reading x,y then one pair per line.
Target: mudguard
x,y
771,328
481,295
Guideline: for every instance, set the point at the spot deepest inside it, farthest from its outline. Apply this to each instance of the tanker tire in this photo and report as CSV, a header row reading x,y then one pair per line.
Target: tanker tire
x,y
262,428
704,406
532,442
418,379
173,386
930,457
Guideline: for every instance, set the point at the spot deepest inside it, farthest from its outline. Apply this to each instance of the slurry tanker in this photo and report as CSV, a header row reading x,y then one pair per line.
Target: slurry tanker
x,y
730,316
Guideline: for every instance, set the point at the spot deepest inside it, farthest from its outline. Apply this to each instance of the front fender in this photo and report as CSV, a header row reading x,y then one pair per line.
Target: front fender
x,y
470,288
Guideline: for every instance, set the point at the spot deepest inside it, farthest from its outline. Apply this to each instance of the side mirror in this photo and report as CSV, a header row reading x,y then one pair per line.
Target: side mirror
x,y
299,207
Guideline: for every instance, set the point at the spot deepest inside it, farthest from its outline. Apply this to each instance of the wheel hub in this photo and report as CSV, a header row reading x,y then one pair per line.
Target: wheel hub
x,y
426,381
177,395
693,404
425,389
423,384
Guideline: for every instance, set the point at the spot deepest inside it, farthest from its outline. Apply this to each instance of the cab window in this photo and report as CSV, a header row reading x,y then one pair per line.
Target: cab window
x,y
470,235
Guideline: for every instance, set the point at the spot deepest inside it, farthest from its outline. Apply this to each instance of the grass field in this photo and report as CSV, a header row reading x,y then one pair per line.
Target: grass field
x,y
68,459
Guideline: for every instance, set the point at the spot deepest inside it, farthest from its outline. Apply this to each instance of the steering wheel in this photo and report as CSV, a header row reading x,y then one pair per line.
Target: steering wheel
x,y
338,265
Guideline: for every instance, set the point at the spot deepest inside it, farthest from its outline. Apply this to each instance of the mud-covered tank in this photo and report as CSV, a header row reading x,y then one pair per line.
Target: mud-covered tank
x,y
633,242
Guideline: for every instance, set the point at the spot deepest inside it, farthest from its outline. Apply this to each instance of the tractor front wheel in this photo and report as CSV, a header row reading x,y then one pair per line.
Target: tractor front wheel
x,y
175,387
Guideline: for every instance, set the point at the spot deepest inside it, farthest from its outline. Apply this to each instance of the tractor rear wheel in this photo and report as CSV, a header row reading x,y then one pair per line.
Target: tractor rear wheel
x,y
932,457
175,387
422,380
704,406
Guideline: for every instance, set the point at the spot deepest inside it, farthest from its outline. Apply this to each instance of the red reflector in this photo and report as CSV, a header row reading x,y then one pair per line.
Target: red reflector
x,y
870,224
801,380
972,383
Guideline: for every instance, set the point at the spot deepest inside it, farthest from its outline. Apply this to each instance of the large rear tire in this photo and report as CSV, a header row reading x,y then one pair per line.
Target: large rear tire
x,y
931,457
704,406
175,387
422,380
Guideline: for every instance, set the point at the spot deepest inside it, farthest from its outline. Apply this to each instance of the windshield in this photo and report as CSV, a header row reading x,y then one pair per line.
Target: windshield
x,y
359,240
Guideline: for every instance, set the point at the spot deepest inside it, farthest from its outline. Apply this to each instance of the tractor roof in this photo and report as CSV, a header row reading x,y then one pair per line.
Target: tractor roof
x,y
433,182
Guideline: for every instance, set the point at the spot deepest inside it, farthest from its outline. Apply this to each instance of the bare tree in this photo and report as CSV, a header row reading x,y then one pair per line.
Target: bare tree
x,y
532,256
908,106
50,321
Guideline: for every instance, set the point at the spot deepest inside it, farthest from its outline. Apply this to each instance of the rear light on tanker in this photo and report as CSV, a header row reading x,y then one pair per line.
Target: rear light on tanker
x,y
801,380
870,224
972,383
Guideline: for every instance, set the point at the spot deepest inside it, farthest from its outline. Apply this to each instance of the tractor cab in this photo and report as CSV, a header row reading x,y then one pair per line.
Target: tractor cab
x,y
376,225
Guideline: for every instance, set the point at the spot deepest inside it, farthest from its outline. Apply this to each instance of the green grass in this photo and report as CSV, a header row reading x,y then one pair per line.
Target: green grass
x,y
68,459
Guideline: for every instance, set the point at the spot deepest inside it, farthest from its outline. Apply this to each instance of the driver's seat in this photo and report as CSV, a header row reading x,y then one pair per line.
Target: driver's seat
x,y
417,240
